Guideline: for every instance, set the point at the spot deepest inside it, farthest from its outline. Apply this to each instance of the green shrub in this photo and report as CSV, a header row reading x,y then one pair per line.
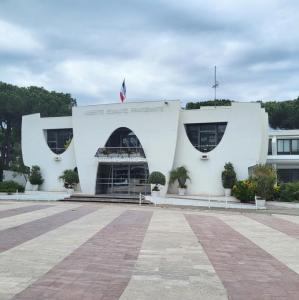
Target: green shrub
x,y
11,187
264,179
181,174
244,190
228,176
35,176
157,178
289,192
70,178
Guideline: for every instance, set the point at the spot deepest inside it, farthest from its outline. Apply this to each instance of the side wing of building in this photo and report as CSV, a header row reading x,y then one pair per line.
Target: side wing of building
x,y
48,143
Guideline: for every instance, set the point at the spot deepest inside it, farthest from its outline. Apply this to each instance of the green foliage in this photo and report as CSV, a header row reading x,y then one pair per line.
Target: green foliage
x,y
18,101
228,176
70,178
11,187
283,114
289,192
244,190
35,176
157,178
264,179
217,102
67,143
181,174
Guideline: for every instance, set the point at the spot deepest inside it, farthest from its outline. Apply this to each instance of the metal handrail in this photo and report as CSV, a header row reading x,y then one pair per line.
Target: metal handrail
x,y
120,151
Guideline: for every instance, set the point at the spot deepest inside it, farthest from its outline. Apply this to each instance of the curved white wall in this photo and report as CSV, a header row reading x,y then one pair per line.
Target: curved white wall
x,y
160,129
154,123
244,144
36,151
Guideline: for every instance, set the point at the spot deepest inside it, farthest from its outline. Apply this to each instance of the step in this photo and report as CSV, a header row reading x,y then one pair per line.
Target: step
x,y
107,200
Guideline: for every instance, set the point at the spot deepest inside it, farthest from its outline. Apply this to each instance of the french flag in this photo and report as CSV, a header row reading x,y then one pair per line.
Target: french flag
x,y
122,92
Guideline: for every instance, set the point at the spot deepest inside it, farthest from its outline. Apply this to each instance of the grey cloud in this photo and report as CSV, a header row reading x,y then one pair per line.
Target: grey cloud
x,y
165,48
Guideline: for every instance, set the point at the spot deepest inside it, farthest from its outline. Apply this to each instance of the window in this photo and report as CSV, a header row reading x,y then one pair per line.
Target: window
x,y
270,147
287,146
123,137
58,139
205,136
288,175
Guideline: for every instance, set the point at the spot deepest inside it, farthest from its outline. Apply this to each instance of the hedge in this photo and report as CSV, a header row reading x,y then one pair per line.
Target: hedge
x,y
289,192
11,187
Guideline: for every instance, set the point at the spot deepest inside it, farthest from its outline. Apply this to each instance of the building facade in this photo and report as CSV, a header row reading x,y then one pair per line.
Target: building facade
x,y
115,146
283,154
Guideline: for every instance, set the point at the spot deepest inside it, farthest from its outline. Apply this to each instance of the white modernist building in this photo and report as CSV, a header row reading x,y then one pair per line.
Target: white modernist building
x,y
115,146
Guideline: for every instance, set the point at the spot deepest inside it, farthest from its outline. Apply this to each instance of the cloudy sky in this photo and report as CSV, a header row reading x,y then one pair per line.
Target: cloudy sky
x,y
166,49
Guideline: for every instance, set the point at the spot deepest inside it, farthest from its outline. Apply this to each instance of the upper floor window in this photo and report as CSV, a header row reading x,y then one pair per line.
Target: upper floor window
x,y
59,139
123,137
205,136
287,146
270,147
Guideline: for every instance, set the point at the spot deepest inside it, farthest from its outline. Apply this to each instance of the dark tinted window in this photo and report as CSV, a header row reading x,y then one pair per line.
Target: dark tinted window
x,y
288,146
270,147
205,136
123,137
288,175
59,139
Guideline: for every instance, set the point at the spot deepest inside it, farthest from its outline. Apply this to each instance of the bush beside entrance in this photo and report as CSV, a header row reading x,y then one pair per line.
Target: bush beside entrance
x,y
11,187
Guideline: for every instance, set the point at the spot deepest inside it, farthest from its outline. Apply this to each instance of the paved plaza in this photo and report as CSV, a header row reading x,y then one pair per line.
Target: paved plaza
x,y
61,251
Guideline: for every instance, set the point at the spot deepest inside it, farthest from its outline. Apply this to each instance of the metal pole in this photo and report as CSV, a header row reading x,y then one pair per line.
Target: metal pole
x,y
215,80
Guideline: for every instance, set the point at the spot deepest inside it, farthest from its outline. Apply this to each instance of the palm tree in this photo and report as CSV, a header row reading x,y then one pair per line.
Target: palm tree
x,y
181,174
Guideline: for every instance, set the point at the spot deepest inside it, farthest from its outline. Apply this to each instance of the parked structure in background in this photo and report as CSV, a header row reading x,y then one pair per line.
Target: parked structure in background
x,y
115,146
283,154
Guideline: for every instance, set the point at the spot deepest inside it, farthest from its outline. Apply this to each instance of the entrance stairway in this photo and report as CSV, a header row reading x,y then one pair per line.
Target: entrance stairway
x,y
130,199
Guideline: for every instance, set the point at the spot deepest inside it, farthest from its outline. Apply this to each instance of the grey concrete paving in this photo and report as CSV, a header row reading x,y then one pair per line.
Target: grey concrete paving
x,y
170,263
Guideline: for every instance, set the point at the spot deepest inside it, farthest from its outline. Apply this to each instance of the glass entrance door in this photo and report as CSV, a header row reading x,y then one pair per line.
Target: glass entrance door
x,y
122,179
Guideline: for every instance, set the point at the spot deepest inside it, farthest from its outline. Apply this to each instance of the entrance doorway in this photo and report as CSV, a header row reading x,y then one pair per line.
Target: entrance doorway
x,y
122,179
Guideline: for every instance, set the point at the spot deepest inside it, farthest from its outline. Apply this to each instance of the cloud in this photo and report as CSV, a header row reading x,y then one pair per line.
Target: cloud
x,y
164,48
16,40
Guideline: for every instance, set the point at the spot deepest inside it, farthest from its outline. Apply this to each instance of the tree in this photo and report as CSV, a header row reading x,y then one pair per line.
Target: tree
x,y
282,114
70,178
18,101
181,174
35,177
157,178
228,176
217,102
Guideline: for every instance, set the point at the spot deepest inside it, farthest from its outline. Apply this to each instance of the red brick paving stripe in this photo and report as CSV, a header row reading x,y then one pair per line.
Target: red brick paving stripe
x,y
99,269
17,235
247,271
21,210
282,225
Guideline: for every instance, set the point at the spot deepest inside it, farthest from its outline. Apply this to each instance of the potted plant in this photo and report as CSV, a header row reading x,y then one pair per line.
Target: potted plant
x,y
70,179
156,178
181,174
229,178
35,178
264,179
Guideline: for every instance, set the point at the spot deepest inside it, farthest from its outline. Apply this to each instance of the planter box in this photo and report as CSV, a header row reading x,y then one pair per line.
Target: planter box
x,y
155,194
34,187
260,203
70,191
227,192
182,191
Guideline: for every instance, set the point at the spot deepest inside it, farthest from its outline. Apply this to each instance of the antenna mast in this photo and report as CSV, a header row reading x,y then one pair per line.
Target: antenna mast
x,y
216,83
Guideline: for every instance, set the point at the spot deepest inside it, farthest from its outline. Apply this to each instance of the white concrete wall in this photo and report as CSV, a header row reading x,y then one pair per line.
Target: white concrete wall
x,y
160,129
244,144
20,178
36,151
154,123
